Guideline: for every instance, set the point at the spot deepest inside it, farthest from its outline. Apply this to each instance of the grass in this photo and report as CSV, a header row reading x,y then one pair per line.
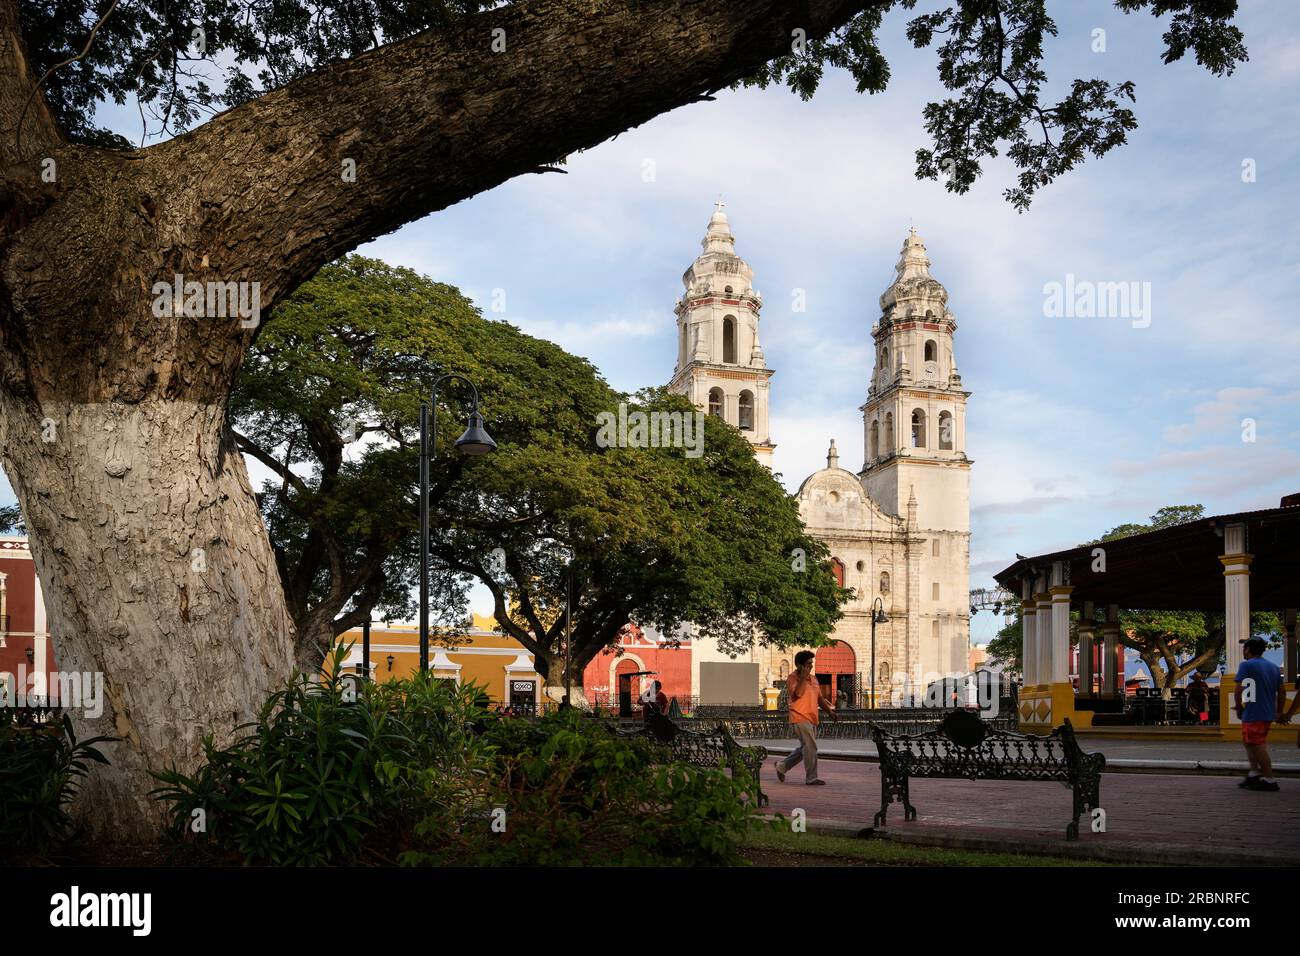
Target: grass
x,y
887,853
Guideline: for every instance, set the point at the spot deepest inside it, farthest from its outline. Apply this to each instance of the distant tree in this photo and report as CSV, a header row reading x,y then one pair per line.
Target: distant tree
x,y
650,535
11,520
1005,647
1172,644
328,401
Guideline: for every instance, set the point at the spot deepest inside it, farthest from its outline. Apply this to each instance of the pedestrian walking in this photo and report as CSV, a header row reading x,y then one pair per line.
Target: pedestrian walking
x,y
805,703
1259,699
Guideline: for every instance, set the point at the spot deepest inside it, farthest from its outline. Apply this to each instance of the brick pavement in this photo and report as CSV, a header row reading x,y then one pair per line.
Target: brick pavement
x,y
1186,813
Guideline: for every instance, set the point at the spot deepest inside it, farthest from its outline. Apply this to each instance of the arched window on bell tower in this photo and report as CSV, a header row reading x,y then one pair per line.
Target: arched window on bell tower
x,y
931,351
729,340
746,408
945,431
715,402
874,453
890,446
918,428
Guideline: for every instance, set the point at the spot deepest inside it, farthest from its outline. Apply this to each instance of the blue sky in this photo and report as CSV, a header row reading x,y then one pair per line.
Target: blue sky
x,y
1075,424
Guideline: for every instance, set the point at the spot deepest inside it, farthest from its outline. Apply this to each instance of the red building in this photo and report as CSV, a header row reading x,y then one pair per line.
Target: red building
x,y
25,646
639,650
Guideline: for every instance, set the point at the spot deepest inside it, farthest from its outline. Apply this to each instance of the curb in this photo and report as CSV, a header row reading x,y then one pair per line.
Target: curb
x,y
1127,852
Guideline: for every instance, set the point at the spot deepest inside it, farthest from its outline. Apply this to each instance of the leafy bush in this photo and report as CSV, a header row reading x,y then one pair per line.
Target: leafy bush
x,y
40,768
563,790
323,767
413,770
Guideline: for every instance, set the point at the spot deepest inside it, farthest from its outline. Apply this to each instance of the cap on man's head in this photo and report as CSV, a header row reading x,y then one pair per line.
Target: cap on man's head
x,y
1255,644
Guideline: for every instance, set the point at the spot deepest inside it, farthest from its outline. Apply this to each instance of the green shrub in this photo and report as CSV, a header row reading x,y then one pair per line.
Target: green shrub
x,y
322,768
562,790
413,770
40,768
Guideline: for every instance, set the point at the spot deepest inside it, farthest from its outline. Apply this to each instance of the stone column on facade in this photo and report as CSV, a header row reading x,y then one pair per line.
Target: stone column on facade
x,y
1112,666
1087,628
914,664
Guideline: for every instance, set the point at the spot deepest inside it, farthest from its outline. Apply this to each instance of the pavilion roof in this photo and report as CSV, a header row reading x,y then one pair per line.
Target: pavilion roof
x,y
1177,568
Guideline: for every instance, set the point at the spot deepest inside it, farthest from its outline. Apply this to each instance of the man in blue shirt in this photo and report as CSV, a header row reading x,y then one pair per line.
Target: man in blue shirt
x,y
1258,700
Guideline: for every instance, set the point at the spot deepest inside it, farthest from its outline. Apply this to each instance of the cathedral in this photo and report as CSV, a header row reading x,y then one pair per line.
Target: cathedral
x,y
898,529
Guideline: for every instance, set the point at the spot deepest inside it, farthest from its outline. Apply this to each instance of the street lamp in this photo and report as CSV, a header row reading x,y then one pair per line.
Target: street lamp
x,y
473,443
877,617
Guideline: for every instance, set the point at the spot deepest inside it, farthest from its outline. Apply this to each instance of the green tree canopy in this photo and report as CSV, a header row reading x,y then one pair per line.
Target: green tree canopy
x,y
329,402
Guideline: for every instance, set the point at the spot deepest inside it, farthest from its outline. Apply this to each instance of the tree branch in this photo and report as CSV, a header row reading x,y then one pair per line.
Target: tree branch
x,y
20,95
439,117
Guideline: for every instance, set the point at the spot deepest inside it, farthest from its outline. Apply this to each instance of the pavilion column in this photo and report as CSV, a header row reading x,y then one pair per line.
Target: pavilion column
x,y
1028,638
1061,633
1112,667
1087,627
1236,592
1289,619
1236,614
1045,642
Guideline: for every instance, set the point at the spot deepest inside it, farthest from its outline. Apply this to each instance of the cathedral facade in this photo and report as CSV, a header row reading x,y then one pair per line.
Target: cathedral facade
x,y
898,530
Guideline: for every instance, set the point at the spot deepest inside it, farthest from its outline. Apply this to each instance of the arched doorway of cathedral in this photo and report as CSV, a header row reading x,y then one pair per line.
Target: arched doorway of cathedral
x,y
837,668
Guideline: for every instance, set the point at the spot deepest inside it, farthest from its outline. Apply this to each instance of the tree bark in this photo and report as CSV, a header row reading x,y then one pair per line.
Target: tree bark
x,y
158,575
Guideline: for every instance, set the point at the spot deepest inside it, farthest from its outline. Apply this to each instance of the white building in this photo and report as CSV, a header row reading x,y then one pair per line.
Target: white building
x,y
899,529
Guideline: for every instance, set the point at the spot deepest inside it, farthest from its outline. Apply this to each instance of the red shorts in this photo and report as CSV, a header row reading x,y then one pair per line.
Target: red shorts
x,y
1255,731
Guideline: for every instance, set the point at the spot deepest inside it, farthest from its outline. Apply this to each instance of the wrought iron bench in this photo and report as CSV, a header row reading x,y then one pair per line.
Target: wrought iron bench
x,y
708,748
965,748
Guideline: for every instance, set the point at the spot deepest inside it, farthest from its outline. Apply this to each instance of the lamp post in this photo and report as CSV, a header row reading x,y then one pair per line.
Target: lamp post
x,y
877,617
473,443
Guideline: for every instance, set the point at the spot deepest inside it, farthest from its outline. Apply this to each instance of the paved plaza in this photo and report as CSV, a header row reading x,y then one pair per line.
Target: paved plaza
x,y
1150,817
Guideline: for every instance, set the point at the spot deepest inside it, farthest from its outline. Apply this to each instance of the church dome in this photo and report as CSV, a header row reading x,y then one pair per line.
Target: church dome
x,y
835,498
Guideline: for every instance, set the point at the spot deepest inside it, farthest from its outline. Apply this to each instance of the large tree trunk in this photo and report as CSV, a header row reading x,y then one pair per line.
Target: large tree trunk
x,y
158,575
554,687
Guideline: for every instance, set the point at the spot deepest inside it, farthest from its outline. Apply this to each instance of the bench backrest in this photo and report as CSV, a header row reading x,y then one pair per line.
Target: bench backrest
x,y
960,748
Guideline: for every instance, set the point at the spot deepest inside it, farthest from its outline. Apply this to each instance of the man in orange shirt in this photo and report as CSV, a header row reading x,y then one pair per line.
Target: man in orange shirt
x,y
805,699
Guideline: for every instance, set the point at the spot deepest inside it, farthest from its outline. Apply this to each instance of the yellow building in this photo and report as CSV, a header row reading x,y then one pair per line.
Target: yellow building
x,y
483,656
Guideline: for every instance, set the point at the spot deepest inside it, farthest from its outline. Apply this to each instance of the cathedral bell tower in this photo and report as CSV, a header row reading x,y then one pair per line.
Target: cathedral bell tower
x,y
720,365
916,464
915,414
